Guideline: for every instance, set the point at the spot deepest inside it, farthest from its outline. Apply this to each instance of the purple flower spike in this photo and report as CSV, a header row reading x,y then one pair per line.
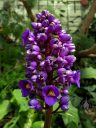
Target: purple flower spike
x,y
26,87
49,60
34,104
50,94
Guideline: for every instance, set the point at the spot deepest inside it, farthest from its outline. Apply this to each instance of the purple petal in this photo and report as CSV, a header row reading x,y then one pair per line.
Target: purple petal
x,y
71,58
26,87
36,48
77,78
45,23
51,18
25,35
64,100
55,89
50,100
65,107
61,71
36,25
62,79
64,37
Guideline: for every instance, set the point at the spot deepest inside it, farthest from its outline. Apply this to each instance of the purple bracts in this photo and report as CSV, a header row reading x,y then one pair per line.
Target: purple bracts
x,y
49,59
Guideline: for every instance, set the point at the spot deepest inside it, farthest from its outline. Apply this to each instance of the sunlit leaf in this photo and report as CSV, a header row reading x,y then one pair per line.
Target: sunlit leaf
x,y
38,124
4,108
21,101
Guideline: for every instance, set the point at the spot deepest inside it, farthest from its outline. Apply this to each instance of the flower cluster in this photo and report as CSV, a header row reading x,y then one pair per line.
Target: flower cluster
x,y
48,63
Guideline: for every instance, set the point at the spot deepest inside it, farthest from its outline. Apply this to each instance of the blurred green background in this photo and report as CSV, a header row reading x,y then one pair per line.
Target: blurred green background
x,y
15,17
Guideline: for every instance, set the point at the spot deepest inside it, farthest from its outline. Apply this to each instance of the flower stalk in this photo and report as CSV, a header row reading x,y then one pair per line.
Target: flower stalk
x,y
48,117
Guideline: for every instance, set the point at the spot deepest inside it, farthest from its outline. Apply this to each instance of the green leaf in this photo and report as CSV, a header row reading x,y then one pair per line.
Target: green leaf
x,y
71,125
93,94
56,106
12,123
88,73
76,100
71,116
30,119
21,101
38,124
4,108
91,88
88,124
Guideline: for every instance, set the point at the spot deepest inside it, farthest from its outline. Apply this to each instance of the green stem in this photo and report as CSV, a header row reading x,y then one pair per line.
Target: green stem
x,y
56,109
48,117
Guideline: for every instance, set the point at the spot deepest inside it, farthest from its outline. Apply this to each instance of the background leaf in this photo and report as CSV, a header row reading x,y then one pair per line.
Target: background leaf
x,y
88,73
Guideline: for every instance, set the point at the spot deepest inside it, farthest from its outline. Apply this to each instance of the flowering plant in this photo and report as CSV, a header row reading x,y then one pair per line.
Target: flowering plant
x,y
48,65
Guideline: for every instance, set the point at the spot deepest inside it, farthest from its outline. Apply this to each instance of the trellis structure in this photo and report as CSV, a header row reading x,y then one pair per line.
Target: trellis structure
x,y
70,12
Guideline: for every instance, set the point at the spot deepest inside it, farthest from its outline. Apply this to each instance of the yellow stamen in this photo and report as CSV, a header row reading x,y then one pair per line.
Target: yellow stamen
x,y
51,93
27,86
